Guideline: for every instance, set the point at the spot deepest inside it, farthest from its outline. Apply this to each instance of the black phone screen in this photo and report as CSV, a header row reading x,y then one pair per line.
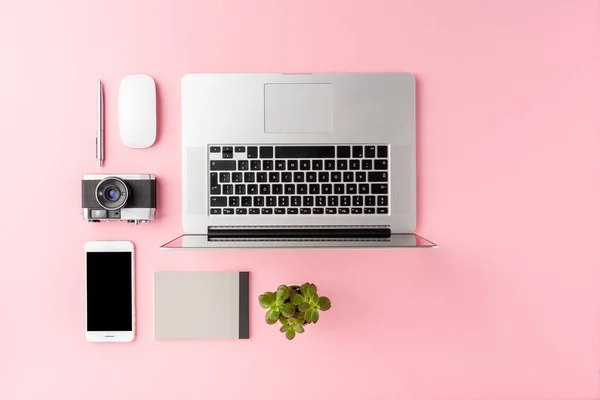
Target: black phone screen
x,y
109,291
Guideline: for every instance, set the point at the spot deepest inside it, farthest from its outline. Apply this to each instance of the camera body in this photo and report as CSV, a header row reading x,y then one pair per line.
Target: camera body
x,y
124,197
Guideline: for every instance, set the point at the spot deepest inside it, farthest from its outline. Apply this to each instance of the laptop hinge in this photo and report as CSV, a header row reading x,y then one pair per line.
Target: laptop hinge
x,y
299,232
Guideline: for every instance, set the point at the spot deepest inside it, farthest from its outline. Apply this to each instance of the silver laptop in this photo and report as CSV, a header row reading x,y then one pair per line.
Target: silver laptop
x,y
298,160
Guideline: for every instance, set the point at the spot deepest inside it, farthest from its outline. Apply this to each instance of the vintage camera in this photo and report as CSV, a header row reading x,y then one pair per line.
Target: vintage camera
x,y
127,197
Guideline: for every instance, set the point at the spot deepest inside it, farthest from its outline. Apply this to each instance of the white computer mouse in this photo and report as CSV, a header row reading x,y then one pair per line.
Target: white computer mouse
x,y
137,111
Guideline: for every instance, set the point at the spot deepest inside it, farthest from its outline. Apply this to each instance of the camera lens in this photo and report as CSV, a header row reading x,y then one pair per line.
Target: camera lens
x,y
112,193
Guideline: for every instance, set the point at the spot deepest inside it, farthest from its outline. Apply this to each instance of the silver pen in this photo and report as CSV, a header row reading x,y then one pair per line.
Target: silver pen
x,y
100,131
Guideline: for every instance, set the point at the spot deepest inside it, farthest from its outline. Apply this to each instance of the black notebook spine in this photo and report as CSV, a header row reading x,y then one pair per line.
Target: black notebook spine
x,y
244,314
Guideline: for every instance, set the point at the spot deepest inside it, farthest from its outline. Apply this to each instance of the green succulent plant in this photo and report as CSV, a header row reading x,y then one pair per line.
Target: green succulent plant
x,y
293,307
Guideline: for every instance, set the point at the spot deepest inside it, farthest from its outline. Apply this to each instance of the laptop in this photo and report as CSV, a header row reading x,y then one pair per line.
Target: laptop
x,y
323,160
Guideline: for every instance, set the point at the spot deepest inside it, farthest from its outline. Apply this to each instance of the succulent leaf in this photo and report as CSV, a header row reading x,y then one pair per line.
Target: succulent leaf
x,y
265,300
297,298
288,310
324,303
303,307
298,328
272,316
290,334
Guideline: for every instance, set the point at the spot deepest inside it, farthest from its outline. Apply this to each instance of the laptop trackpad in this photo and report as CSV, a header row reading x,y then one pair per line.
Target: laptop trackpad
x,y
298,108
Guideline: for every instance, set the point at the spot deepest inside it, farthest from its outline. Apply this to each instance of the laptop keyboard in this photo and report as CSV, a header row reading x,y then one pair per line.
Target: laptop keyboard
x,y
298,180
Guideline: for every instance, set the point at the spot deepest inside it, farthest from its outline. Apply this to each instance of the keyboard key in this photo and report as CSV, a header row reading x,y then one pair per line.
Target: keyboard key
x,y
345,201
332,201
343,210
277,188
296,201
266,152
243,165
266,211
267,165
311,177
336,176
298,176
360,176
318,210
249,177
265,189
367,164
215,149
271,201
218,201
342,164
320,201
377,176
302,189
261,177
224,177
215,189
317,165
227,155
323,176
234,201
357,151
292,165
273,176
240,189
354,164
252,152
289,189
237,177
382,211
329,164
379,188
339,188
240,211
240,149
280,211
304,165
252,189
305,211
369,200
215,211
356,210
307,201
382,151
227,189
369,210
227,149
314,189
304,151
228,211
357,201
351,188
222,165
326,188
348,176
381,164
254,211
292,211
382,200
259,201
286,177
331,211
279,165
363,188
370,151
343,151
283,201
255,165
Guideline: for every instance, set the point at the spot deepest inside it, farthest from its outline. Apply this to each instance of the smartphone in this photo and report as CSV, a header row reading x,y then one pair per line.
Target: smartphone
x,y
109,291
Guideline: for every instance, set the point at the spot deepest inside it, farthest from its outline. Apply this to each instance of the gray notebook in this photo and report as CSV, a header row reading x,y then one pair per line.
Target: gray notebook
x,y
201,305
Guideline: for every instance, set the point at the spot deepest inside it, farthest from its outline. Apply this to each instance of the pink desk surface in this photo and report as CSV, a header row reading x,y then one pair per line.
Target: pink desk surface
x,y
508,307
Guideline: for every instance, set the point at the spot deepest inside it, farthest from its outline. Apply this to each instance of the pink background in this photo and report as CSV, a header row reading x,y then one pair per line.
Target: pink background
x,y
508,307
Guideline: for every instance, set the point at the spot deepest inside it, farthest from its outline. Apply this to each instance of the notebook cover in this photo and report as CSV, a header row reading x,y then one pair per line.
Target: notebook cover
x,y
201,305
